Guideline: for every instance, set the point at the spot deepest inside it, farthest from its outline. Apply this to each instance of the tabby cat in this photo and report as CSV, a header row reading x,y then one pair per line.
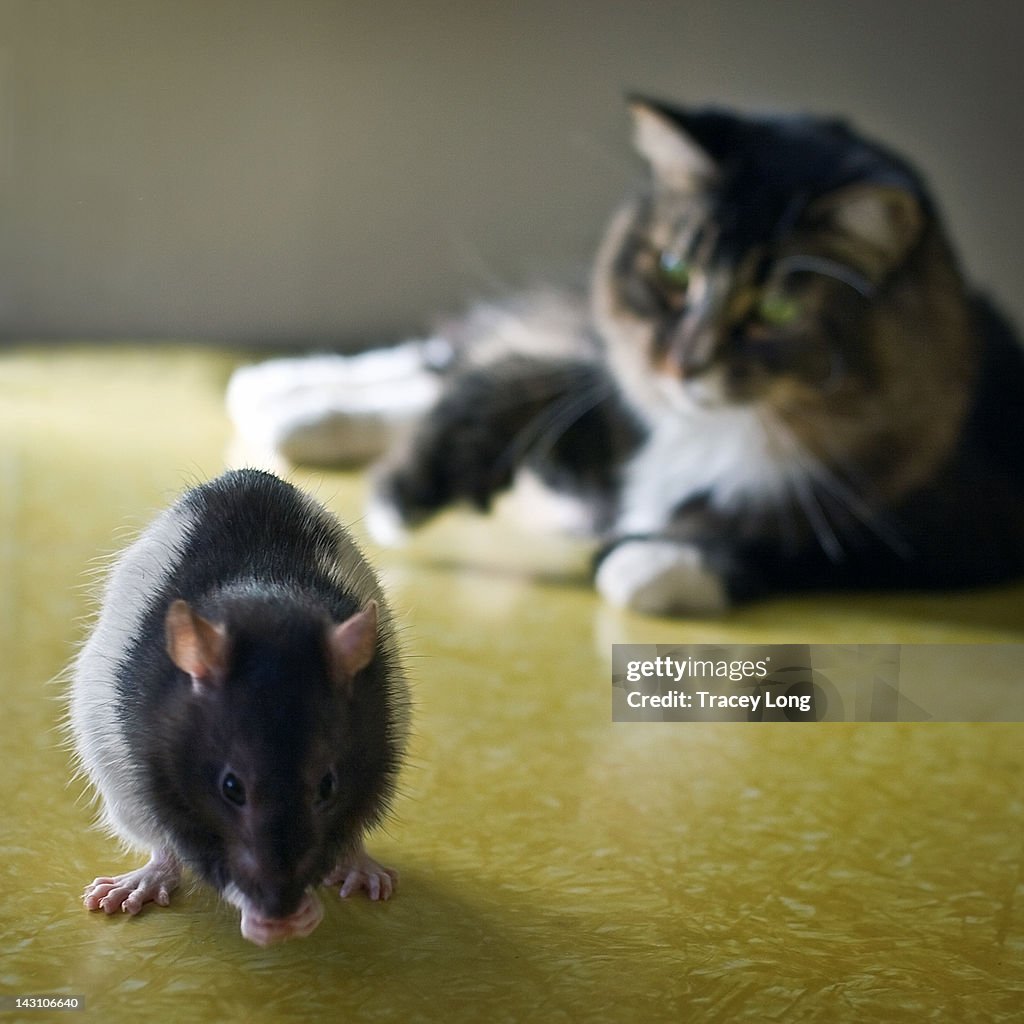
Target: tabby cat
x,y
780,381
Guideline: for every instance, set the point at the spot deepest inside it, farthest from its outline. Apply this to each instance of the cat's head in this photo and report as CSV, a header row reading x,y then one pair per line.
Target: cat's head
x,y
755,267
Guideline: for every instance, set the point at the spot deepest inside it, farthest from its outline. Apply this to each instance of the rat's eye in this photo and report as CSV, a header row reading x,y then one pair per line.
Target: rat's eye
x,y
232,789
673,271
327,786
777,310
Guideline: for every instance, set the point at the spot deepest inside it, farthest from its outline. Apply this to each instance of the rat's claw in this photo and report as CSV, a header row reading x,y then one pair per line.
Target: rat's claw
x,y
133,902
129,893
361,871
356,880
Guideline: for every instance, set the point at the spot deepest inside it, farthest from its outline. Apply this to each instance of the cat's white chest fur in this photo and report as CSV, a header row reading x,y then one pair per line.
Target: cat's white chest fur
x,y
726,453
729,454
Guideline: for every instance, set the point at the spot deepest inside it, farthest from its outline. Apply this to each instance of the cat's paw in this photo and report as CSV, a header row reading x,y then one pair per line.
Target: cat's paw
x,y
384,520
333,409
661,578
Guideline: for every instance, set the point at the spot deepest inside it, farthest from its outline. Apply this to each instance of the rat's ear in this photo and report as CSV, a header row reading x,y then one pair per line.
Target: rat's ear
x,y
352,645
196,646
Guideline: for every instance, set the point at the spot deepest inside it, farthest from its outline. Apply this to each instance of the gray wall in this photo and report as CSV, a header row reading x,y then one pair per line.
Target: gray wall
x,y
318,171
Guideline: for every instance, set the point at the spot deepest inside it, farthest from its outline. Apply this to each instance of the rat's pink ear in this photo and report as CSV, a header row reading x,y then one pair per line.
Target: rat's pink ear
x,y
196,646
353,644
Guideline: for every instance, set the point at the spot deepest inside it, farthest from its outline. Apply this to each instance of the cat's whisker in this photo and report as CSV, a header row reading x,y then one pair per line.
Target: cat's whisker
x,y
846,500
542,432
784,494
571,414
849,501
801,485
513,397
814,510
866,506
863,511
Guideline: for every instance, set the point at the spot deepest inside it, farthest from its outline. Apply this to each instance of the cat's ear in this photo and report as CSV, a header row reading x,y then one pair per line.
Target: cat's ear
x,y
885,221
676,159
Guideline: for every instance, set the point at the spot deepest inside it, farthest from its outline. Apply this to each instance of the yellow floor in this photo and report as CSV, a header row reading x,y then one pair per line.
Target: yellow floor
x,y
555,867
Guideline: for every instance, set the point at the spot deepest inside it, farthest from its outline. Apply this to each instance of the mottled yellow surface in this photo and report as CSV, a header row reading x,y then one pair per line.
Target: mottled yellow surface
x,y
555,867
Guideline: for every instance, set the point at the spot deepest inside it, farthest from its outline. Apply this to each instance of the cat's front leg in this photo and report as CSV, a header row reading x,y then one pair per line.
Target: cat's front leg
x,y
333,409
468,447
659,576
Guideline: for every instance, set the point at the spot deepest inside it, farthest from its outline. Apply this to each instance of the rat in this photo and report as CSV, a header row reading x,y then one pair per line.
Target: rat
x,y
240,706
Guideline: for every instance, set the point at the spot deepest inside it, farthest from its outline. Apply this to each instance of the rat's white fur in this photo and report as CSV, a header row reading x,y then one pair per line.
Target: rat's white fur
x,y
97,729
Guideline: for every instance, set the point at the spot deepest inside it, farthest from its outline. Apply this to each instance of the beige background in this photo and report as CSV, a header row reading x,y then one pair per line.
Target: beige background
x,y
339,172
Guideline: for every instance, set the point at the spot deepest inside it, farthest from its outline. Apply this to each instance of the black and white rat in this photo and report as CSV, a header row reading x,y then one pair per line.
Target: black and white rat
x,y
241,708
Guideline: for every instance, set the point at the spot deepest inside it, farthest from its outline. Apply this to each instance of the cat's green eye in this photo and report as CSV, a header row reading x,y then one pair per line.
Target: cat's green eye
x,y
778,310
673,271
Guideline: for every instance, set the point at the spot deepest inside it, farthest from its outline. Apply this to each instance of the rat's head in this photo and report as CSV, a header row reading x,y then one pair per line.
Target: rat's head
x,y
284,755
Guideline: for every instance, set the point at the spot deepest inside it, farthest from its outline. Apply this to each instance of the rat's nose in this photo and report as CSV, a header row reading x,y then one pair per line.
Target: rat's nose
x,y
276,885
278,899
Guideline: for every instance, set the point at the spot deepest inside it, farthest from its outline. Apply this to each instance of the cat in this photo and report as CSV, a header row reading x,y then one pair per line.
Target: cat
x,y
778,382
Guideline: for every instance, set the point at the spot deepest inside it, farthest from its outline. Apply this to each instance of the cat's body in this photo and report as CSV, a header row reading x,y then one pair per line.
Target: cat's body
x,y
780,382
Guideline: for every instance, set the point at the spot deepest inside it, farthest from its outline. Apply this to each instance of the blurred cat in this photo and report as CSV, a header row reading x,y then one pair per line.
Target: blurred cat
x,y
779,381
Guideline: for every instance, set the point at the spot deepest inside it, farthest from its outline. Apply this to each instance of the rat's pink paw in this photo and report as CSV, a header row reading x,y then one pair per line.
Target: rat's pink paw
x,y
360,871
129,893
264,930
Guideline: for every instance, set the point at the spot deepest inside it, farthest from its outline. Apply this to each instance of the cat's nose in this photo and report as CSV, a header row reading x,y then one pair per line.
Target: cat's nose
x,y
690,353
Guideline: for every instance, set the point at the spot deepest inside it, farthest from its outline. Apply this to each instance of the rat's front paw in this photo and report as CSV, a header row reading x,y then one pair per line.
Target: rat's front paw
x,y
129,893
660,578
361,871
